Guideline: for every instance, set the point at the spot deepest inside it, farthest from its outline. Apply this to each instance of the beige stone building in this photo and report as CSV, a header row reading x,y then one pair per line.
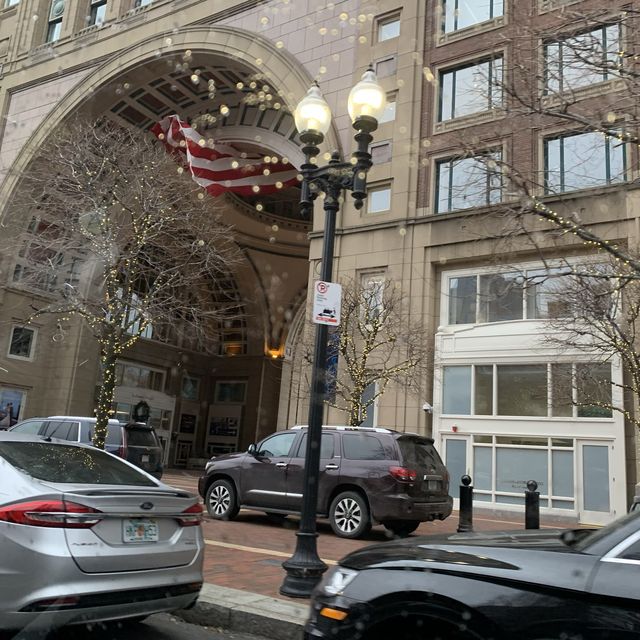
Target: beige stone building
x,y
139,61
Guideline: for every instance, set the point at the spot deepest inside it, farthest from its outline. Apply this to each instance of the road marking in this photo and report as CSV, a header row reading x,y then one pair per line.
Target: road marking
x,y
267,552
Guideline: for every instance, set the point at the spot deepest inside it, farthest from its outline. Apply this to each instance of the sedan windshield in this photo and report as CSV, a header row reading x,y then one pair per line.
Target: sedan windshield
x,y
70,464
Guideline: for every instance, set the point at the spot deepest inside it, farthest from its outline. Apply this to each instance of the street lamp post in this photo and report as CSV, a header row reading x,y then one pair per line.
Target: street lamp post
x,y
313,117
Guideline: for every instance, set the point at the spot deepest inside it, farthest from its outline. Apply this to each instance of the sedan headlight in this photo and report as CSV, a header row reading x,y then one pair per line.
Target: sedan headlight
x,y
336,580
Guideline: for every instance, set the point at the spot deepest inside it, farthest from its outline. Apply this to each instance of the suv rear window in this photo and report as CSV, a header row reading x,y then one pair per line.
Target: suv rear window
x,y
68,464
114,434
63,429
137,437
360,446
418,452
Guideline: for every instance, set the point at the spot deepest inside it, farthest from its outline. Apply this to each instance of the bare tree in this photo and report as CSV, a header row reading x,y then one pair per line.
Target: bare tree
x,y
376,346
105,227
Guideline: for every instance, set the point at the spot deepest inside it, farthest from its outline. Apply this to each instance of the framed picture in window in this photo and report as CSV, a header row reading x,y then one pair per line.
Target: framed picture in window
x,y
187,423
11,406
230,392
190,388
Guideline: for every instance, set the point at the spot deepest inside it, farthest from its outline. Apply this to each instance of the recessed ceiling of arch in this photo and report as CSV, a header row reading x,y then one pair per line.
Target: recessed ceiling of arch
x,y
225,101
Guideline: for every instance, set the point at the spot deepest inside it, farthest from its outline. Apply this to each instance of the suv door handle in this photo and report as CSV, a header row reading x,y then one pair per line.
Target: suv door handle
x,y
281,465
331,466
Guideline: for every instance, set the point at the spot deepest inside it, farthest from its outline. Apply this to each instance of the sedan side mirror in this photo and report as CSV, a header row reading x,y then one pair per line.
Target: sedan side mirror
x,y
252,449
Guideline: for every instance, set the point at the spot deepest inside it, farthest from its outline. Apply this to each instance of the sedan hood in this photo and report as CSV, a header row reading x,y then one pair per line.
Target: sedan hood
x,y
487,550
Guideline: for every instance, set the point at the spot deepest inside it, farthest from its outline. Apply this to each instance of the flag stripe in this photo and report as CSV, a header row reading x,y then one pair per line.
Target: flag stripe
x,y
220,167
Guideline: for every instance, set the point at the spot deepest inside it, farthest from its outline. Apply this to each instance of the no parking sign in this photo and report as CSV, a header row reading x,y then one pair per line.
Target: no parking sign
x,y
327,297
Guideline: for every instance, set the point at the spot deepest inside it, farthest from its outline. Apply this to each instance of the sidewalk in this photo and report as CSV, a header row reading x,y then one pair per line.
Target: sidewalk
x,y
243,565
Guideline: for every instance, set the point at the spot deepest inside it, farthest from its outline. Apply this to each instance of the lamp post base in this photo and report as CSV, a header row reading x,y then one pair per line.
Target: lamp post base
x,y
304,568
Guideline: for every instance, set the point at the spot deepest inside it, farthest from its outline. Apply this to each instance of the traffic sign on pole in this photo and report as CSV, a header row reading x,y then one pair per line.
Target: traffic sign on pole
x,y
327,299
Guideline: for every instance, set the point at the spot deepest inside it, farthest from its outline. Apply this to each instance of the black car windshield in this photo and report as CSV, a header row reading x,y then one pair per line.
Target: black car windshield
x,y
70,464
418,452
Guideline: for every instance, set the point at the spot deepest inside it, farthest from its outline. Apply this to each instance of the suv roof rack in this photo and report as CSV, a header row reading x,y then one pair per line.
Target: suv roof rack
x,y
348,428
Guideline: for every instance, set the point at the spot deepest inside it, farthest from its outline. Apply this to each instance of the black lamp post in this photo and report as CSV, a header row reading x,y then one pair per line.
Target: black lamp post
x,y
313,117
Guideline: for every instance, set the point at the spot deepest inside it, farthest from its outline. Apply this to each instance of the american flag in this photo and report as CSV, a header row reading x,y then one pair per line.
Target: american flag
x,y
221,167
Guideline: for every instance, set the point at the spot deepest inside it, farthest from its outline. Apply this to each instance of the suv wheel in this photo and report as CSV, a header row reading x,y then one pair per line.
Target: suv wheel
x,y
401,528
221,500
349,515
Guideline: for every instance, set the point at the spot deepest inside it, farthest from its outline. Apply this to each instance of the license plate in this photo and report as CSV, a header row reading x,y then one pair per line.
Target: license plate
x,y
144,458
434,485
140,530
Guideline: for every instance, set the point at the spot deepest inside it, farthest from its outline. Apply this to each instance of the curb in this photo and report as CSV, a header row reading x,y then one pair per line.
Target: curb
x,y
246,612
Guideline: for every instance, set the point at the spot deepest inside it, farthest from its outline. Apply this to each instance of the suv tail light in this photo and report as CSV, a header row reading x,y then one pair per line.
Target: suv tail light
x,y
50,513
191,516
403,474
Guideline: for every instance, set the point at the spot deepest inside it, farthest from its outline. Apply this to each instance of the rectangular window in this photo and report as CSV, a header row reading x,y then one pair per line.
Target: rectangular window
x,y
22,343
373,285
131,375
190,388
142,3
97,12
501,297
483,390
386,67
460,14
582,60
581,161
522,390
389,113
379,199
11,405
473,88
468,182
54,30
462,299
230,392
562,390
593,387
381,152
11,3
544,292
456,390
388,28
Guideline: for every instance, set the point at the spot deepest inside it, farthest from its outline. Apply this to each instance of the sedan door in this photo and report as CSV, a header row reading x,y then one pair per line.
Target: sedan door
x,y
616,609
329,472
264,473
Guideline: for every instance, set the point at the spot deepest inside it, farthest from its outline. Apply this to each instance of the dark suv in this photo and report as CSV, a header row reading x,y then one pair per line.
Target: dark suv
x,y
367,476
135,442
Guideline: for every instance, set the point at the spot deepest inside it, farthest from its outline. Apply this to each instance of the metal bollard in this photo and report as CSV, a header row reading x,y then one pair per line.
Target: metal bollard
x,y
532,506
465,521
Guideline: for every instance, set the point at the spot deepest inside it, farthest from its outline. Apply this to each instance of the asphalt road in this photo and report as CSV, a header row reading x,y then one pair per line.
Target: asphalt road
x,y
157,627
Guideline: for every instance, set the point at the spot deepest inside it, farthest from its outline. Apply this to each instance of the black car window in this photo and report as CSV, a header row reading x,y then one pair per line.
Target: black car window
x,y
70,464
326,446
114,434
63,429
418,453
137,437
277,446
31,427
361,446
632,552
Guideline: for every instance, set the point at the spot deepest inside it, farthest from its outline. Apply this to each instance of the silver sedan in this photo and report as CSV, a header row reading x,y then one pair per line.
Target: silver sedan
x,y
86,536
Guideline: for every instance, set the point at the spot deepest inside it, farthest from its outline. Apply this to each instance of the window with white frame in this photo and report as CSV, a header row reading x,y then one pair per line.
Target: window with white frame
x,y
582,59
577,390
135,375
54,25
389,113
97,12
460,14
373,285
470,88
22,343
529,294
142,3
11,3
388,27
462,183
381,152
379,199
582,160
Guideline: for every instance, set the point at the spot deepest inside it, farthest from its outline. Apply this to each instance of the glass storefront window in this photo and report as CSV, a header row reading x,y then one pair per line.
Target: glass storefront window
x,y
484,390
562,469
515,467
501,297
593,382
522,390
483,468
456,386
462,300
561,390
544,294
